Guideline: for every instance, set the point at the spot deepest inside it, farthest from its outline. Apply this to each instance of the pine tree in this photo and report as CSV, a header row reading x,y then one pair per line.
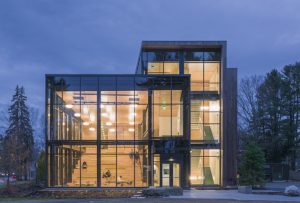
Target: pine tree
x,y
20,132
291,101
251,168
270,113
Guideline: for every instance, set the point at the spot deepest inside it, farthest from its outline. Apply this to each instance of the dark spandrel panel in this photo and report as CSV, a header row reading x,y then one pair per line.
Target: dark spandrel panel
x,y
154,56
160,82
107,83
171,56
125,83
193,56
71,83
89,83
212,56
180,83
141,83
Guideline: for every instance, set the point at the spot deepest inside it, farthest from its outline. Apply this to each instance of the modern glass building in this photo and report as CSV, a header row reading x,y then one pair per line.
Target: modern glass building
x,y
172,123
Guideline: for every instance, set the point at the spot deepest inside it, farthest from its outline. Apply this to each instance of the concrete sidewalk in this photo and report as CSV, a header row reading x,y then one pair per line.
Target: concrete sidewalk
x,y
232,195
281,185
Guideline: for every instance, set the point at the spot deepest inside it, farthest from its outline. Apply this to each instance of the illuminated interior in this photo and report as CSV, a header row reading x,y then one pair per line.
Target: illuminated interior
x,y
205,167
138,130
205,121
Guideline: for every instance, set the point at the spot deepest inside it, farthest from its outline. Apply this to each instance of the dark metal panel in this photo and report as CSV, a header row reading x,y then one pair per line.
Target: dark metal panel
x,y
230,127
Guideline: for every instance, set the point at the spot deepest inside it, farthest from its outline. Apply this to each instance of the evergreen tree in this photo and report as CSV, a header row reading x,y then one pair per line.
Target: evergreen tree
x,y
20,132
251,168
291,102
270,112
41,167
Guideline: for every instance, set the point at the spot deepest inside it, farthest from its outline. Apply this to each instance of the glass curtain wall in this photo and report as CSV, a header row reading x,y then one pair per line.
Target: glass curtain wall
x,y
167,113
124,166
124,112
205,121
161,62
204,67
75,110
79,107
205,167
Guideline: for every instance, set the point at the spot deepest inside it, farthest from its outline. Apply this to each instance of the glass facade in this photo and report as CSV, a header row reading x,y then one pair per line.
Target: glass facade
x,y
99,127
159,127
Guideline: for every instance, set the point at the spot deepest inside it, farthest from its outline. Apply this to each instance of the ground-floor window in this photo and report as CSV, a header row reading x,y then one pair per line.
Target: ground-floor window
x,y
120,166
205,167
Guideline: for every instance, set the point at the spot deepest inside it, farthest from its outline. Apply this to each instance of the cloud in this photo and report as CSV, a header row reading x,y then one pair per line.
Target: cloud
x,y
77,36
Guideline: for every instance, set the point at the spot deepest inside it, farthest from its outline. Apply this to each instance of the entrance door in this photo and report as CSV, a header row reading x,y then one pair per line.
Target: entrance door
x,y
166,175
170,174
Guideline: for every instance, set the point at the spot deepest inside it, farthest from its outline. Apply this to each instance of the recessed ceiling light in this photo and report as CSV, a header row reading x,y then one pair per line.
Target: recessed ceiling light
x,y
85,109
204,108
104,114
77,114
92,117
86,123
69,106
112,130
92,129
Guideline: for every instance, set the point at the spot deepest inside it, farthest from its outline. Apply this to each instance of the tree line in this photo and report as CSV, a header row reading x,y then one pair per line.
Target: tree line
x,y
269,113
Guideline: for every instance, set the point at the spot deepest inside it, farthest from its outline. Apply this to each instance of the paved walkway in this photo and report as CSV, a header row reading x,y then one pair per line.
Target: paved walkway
x,y
280,186
232,195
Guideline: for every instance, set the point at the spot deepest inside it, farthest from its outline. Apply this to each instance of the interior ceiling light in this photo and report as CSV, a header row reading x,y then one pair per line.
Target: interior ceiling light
x,y
133,105
85,109
131,123
86,123
132,115
69,106
112,130
108,123
131,130
77,114
104,114
92,129
203,108
92,117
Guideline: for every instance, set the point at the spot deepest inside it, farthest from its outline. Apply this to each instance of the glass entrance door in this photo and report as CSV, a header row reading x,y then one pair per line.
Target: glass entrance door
x,y
170,174
166,175
176,174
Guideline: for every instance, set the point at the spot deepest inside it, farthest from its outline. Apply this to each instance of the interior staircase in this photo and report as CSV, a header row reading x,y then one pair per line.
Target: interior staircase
x,y
208,178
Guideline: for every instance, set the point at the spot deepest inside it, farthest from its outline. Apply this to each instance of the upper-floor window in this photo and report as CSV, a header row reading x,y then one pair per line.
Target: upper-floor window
x,y
204,68
161,62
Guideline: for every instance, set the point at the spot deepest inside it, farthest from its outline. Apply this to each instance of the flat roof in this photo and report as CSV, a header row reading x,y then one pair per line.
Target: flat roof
x,y
116,75
182,44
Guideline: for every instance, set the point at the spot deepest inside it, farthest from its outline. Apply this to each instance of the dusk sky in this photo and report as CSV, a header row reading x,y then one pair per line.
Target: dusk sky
x,y
98,36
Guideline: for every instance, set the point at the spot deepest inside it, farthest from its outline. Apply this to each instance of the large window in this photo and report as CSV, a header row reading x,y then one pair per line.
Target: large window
x,y
161,62
204,68
205,167
124,113
124,166
167,113
205,121
75,109
73,166
98,126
